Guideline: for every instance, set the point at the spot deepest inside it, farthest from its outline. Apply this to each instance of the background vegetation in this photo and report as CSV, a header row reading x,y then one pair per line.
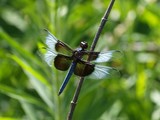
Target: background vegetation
x,y
29,87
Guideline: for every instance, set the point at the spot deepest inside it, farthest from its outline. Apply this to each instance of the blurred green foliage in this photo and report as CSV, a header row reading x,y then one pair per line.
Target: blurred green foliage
x,y
29,87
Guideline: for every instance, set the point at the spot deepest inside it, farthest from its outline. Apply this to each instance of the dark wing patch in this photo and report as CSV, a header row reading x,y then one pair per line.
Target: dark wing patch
x,y
56,45
63,48
93,55
83,68
102,56
62,62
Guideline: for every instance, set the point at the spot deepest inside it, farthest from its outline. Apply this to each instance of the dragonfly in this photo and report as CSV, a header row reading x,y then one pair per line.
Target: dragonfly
x,y
64,58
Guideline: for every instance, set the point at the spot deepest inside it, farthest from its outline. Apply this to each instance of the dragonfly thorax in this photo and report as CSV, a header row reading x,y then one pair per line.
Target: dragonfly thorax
x,y
77,54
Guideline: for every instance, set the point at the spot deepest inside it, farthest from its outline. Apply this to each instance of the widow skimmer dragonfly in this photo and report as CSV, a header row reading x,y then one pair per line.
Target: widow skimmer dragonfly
x,y
63,58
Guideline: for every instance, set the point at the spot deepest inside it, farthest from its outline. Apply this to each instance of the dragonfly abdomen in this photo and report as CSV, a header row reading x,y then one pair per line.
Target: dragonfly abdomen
x,y
68,76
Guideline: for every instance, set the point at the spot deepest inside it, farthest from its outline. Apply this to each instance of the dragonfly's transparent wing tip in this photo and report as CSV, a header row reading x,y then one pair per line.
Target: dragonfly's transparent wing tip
x,y
102,72
49,57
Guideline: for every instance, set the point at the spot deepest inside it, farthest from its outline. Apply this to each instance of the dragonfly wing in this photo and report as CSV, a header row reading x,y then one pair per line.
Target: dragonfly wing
x,y
62,62
106,56
83,68
93,55
49,57
62,48
51,41
101,72
98,57
56,45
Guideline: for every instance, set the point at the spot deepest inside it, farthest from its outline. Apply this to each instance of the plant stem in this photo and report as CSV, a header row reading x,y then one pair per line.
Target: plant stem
x,y
102,24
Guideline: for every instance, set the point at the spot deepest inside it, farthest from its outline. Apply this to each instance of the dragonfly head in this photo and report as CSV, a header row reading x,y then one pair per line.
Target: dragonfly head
x,y
84,45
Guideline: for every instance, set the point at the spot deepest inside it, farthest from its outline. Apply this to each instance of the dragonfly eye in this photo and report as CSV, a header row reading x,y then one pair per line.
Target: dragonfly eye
x,y
84,45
